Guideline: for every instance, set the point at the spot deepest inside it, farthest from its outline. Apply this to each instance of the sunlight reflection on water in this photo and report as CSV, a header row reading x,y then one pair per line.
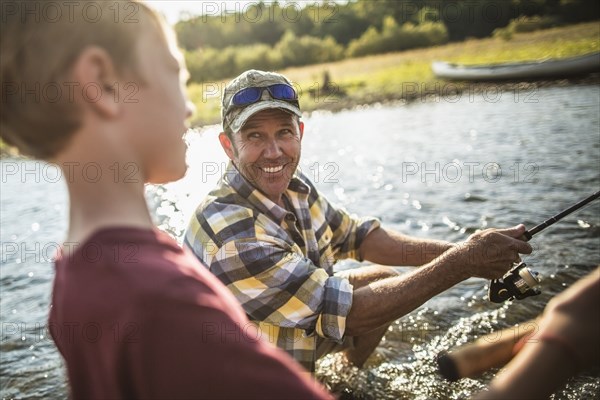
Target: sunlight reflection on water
x,y
400,163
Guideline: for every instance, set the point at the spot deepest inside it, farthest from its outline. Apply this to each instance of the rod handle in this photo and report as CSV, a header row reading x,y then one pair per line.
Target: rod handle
x,y
490,351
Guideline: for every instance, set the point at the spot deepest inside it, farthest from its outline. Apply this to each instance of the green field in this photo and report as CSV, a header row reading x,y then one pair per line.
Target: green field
x,y
396,76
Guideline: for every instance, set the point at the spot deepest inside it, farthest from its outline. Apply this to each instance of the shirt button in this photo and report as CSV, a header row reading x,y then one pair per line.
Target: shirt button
x,y
290,217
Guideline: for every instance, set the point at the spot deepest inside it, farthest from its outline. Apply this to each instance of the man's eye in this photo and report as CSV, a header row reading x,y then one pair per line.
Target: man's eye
x,y
286,132
254,135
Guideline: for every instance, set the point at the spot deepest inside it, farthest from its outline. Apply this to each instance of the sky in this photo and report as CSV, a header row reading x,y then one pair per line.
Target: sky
x,y
175,10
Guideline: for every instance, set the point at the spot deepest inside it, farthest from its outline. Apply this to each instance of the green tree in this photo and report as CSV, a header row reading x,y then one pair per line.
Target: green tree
x,y
343,23
394,37
306,50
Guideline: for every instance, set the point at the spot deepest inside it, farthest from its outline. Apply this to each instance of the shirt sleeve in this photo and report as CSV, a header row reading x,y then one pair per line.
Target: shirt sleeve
x,y
275,284
187,351
348,231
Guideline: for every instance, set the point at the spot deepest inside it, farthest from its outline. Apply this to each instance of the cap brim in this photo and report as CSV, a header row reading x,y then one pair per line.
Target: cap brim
x,y
252,109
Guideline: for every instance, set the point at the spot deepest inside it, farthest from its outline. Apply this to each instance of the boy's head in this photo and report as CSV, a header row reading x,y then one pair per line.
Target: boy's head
x,y
93,76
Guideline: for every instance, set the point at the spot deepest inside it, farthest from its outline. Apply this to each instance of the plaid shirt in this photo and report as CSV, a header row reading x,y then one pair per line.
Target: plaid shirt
x,y
279,263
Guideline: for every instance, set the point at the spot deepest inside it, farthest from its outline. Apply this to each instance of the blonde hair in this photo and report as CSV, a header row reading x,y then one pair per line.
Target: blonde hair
x,y
39,44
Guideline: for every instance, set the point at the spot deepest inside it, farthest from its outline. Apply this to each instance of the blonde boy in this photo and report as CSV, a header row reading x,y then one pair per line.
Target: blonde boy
x,y
163,326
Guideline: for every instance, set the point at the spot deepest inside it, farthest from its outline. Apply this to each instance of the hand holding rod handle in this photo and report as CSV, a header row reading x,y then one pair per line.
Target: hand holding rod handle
x,y
496,349
520,282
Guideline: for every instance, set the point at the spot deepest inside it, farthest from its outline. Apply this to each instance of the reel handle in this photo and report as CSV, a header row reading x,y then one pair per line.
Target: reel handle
x,y
518,283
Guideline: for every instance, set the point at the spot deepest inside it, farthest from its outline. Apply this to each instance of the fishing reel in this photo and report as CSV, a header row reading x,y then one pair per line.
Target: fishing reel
x,y
518,283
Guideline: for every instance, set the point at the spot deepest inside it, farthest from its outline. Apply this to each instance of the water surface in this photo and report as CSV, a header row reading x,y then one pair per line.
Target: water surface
x,y
441,169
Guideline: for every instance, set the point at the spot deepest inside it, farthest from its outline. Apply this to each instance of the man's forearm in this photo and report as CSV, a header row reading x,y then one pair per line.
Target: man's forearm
x,y
387,247
388,299
486,254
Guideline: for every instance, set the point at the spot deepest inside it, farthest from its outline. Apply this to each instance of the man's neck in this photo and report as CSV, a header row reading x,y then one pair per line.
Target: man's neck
x,y
279,201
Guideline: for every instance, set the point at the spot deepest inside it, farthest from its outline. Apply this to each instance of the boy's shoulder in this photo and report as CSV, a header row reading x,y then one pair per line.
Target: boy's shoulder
x,y
135,266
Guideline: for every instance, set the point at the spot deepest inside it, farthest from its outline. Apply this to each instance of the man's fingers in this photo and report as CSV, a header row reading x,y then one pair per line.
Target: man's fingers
x,y
517,239
514,232
518,260
520,246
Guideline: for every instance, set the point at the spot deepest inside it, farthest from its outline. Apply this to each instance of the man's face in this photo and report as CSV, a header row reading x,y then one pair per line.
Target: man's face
x,y
267,150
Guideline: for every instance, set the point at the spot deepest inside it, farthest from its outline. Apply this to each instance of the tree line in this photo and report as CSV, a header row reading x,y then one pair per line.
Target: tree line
x,y
224,41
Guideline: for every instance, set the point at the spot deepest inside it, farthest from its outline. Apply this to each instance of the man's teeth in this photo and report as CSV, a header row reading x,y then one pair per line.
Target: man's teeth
x,y
272,170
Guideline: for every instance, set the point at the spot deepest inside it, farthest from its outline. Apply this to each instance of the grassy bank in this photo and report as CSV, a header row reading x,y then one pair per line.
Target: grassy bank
x,y
406,75
5,150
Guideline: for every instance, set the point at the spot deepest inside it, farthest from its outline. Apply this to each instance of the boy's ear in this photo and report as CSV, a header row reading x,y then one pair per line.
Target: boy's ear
x,y
301,127
227,145
96,79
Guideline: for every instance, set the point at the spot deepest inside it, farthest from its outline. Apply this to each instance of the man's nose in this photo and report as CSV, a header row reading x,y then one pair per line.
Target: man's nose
x,y
272,149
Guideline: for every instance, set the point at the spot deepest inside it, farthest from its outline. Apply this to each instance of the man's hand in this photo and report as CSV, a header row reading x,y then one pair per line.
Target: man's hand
x,y
490,253
487,254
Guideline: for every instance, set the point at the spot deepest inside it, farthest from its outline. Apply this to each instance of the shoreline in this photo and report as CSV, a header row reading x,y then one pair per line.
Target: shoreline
x,y
407,75
437,90
440,89
447,89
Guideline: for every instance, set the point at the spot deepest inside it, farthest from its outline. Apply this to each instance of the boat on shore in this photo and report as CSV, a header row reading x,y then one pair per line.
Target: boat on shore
x,y
531,70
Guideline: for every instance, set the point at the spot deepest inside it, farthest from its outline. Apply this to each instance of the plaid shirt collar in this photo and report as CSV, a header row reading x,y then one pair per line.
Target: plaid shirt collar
x,y
240,184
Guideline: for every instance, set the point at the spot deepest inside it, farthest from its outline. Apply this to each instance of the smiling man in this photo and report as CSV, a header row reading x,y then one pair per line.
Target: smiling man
x,y
269,235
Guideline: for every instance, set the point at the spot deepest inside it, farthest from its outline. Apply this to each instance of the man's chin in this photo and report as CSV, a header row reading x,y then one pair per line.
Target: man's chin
x,y
273,190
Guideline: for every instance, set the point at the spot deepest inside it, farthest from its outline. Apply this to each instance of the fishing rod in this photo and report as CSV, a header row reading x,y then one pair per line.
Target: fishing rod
x,y
538,228
521,282
498,348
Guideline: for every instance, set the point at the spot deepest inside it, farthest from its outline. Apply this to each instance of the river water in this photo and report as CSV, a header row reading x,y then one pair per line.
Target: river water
x,y
439,168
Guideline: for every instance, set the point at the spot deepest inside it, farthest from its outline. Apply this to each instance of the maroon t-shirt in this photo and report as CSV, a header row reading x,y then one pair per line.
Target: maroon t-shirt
x,y
136,316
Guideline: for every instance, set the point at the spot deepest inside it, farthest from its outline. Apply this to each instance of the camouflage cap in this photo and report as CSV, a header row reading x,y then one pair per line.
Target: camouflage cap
x,y
234,117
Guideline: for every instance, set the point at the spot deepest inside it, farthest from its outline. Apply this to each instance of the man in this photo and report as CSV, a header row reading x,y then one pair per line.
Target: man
x,y
134,315
272,238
